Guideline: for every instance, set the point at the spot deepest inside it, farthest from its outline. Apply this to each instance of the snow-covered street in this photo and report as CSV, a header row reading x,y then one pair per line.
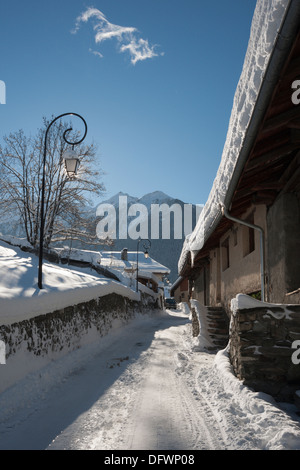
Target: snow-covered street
x,y
143,387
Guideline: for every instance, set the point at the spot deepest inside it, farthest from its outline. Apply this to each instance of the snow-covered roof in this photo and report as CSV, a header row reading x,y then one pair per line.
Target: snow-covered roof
x,y
150,276
270,32
113,259
77,254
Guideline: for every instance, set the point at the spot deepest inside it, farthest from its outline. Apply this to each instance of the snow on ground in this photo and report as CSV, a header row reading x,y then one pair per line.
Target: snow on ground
x,y
143,387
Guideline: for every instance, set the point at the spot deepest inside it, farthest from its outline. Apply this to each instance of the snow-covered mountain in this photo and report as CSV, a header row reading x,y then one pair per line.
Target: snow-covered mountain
x,y
164,250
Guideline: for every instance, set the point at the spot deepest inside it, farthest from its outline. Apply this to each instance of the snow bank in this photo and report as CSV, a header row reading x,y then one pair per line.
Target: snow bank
x,y
203,340
184,308
20,298
272,429
266,22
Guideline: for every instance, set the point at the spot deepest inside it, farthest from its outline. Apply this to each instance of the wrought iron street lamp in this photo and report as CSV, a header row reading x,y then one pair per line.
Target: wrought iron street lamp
x,y
71,164
146,246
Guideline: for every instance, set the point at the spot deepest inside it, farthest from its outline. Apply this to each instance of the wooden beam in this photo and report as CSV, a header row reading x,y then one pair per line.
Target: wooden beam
x,y
264,197
272,142
280,120
290,170
265,186
276,154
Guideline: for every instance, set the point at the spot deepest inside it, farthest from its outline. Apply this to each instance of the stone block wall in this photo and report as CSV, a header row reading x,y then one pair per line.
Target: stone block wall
x,y
261,349
31,344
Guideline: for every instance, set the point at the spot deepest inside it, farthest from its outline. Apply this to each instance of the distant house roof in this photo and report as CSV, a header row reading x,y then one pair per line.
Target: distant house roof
x,y
146,265
274,27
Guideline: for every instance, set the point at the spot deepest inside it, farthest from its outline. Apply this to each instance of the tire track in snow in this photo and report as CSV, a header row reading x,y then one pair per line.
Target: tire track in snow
x,y
169,415
188,374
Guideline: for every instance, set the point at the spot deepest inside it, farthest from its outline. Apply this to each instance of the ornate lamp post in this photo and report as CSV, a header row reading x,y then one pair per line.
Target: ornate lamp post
x,y
146,246
71,165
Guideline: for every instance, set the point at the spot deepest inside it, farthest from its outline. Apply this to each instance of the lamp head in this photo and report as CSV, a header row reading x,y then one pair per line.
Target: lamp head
x,y
71,162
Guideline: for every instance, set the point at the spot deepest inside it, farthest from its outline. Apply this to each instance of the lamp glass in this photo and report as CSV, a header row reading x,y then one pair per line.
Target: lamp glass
x,y
71,162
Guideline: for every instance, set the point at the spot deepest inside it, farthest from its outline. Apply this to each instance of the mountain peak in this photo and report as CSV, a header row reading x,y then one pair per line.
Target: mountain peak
x,y
156,197
114,200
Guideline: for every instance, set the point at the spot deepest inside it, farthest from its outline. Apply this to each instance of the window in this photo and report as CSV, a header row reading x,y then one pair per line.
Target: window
x,y
248,237
235,240
225,254
251,240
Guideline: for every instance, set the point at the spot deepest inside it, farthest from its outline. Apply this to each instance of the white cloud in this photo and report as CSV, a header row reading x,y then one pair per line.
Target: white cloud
x,y
139,49
96,53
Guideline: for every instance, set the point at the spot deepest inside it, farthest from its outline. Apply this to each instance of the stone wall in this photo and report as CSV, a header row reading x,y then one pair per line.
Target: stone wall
x,y
31,344
261,349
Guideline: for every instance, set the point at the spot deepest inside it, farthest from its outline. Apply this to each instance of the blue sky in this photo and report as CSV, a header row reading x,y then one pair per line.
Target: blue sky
x,y
154,80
